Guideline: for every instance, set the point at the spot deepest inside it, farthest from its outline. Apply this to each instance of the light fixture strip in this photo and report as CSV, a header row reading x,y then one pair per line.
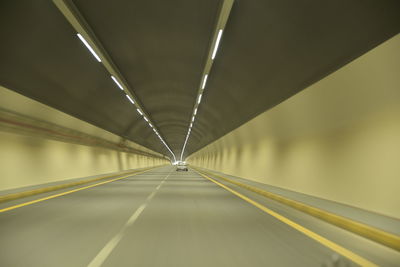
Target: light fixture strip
x,y
130,99
88,47
204,81
73,16
116,81
222,19
217,44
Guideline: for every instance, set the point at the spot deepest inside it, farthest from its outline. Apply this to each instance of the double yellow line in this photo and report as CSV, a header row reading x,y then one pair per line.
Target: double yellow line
x,y
62,186
335,247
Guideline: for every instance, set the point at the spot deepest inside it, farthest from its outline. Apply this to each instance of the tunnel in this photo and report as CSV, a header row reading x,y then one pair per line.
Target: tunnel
x,y
188,133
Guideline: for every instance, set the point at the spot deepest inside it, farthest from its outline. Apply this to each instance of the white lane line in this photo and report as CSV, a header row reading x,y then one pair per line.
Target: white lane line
x,y
103,254
109,247
136,215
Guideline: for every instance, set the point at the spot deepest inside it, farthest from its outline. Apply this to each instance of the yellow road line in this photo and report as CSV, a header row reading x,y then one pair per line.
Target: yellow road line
x,y
13,196
67,192
335,247
377,235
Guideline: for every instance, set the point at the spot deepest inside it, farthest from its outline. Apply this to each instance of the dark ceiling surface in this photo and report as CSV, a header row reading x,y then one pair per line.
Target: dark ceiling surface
x,y
270,50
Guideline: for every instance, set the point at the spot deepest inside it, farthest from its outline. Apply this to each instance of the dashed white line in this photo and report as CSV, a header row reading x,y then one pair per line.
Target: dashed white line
x,y
109,247
136,215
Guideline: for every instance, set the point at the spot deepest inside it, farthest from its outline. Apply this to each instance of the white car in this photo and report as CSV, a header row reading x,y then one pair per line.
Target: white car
x,y
181,166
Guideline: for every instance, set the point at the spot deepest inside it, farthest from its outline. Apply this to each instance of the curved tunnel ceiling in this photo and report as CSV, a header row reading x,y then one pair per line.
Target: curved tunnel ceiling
x,y
270,50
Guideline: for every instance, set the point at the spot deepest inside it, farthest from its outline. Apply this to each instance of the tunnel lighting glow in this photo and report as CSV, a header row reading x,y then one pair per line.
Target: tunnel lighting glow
x,y
217,38
115,80
165,144
204,81
130,99
216,44
88,47
184,146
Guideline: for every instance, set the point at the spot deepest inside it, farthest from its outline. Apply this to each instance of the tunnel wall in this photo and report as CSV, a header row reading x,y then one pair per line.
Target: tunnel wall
x,y
338,139
32,156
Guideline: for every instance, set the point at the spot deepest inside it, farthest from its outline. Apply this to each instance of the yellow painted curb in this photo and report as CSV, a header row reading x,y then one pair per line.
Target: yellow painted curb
x,y
372,233
33,192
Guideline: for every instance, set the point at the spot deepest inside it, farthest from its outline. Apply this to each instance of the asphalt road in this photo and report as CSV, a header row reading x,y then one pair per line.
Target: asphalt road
x,y
158,218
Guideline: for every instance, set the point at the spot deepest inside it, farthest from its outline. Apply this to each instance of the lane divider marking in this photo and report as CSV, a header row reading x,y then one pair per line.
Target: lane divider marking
x,y
335,247
109,247
68,192
377,235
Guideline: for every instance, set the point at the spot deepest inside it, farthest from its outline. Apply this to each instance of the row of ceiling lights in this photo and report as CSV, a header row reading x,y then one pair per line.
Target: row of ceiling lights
x,y
223,16
138,109
203,86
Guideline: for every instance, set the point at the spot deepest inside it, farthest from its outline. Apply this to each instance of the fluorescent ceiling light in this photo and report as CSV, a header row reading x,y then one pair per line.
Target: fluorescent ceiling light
x,y
130,99
146,119
204,81
195,111
193,118
88,47
199,100
140,112
151,125
115,80
216,44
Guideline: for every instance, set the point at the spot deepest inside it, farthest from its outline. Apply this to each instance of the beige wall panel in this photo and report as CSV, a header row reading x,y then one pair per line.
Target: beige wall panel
x,y
11,101
339,139
27,159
